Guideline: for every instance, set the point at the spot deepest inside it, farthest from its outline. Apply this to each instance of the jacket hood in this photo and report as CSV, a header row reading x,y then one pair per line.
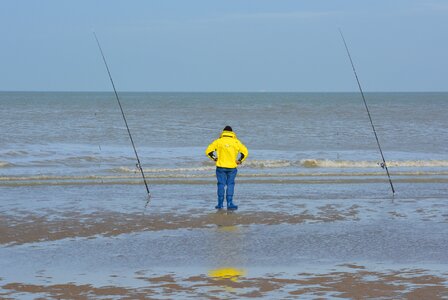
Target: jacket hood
x,y
226,133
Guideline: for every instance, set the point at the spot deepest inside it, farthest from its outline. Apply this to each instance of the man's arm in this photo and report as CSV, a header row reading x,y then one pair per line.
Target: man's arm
x,y
243,153
210,151
212,155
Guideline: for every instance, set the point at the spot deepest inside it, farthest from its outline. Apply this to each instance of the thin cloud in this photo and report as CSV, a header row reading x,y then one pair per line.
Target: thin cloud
x,y
431,7
297,15
268,16
441,7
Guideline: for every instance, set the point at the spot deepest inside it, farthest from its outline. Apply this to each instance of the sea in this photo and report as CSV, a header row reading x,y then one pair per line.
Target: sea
x,y
317,215
81,138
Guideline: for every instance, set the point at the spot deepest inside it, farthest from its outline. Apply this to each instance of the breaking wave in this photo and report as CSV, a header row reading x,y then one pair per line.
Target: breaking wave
x,y
162,170
324,163
5,164
267,164
304,163
253,171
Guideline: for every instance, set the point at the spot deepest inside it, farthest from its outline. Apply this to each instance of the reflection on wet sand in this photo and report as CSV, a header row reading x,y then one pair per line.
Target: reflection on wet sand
x,y
226,244
345,281
227,273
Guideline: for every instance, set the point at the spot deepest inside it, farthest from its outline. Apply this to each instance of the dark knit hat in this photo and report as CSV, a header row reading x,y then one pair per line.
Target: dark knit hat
x,y
227,128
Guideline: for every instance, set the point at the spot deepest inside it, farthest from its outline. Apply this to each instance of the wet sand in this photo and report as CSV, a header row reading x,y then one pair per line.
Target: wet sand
x,y
96,242
35,228
357,283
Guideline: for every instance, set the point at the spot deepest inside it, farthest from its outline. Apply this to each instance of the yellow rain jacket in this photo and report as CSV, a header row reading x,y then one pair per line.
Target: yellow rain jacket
x,y
226,150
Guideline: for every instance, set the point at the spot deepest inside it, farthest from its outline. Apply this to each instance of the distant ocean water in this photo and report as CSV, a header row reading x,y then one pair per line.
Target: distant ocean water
x,y
80,138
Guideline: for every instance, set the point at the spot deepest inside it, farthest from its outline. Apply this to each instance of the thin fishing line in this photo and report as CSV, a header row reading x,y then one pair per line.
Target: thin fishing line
x,y
139,166
384,165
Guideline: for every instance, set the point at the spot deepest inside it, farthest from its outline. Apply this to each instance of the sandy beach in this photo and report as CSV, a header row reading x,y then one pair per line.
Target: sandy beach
x,y
303,247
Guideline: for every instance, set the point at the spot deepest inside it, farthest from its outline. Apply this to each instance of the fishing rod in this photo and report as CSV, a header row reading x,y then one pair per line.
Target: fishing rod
x,y
383,165
139,166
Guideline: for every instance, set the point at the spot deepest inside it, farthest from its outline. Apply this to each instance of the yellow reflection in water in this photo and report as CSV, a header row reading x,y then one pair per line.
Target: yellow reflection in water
x,y
231,228
227,273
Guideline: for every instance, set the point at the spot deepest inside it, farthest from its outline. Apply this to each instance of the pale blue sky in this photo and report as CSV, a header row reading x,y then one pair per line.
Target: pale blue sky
x,y
224,45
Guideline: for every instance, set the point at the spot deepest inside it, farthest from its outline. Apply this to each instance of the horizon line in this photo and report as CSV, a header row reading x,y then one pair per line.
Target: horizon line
x,y
260,91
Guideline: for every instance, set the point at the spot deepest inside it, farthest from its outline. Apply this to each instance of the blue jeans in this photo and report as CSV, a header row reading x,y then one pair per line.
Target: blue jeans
x,y
226,177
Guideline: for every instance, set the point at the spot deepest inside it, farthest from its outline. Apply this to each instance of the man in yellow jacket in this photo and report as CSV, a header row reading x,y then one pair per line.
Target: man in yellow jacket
x,y
228,152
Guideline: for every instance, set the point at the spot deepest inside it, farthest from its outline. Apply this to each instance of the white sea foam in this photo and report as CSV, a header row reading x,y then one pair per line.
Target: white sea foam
x,y
327,163
162,170
324,163
262,164
305,163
